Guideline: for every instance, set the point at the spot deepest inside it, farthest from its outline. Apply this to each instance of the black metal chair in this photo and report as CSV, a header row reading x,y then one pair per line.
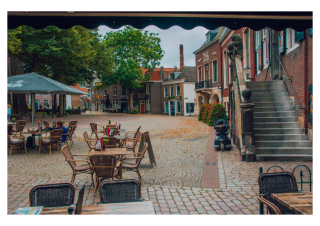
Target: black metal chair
x,y
51,195
279,182
120,191
80,201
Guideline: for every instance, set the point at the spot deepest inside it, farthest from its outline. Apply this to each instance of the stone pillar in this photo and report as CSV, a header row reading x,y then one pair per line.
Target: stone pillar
x,y
247,125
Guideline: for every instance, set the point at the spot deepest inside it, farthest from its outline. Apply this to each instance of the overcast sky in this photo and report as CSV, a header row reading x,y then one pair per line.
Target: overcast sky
x,y
171,40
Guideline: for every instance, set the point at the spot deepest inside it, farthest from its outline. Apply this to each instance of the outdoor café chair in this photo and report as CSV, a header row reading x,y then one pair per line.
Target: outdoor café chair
x,y
54,139
105,167
20,124
90,142
73,125
132,134
130,144
52,195
129,165
115,131
45,123
77,169
80,201
278,182
16,142
94,130
273,209
120,191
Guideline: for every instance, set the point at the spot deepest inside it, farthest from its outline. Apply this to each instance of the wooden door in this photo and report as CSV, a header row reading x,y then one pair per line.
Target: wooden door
x,y
142,107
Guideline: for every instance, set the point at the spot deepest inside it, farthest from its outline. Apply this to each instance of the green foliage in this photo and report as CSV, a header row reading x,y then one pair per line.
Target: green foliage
x,y
79,107
132,49
69,56
105,141
171,97
134,112
109,120
13,119
210,113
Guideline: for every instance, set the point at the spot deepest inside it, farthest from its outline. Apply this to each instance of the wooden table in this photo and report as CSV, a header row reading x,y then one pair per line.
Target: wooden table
x,y
111,151
300,203
144,207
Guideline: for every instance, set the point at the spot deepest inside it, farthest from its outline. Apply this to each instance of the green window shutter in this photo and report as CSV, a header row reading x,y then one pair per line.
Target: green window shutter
x,y
281,41
299,36
310,31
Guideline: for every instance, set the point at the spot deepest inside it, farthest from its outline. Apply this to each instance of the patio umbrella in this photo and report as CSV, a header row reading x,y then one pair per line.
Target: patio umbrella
x,y
32,83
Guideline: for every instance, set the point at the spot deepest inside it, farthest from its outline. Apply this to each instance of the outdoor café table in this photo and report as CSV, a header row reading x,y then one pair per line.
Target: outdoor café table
x,y
111,151
142,208
34,134
299,203
118,137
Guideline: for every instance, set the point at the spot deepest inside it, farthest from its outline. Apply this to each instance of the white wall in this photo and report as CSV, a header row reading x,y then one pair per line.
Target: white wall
x,y
188,89
68,102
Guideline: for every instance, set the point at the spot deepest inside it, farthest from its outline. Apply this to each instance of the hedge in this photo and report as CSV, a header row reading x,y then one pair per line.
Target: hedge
x,y
210,113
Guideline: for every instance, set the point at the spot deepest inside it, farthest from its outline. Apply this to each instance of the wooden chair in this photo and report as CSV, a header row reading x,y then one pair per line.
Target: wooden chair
x,y
45,123
130,144
73,125
129,165
90,142
278,182
120,191
68,137
94,130
132,134
105,167
273,209
115,131
54,139
52,195
16,142
20,124
76,169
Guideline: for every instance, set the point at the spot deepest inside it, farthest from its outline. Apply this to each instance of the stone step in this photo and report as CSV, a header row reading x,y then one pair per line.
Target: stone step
x,y
258,95
280,137
267,109
273,104
284,143
268,99
255,91
274,114
264,83
284,157
284,150
275,119
278,131
272,125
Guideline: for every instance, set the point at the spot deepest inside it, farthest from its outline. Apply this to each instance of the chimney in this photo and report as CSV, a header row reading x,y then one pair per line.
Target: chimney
x,y
175,68
181,56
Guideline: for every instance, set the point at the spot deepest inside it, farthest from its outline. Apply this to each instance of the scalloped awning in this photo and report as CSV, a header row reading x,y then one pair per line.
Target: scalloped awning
x,y
298,21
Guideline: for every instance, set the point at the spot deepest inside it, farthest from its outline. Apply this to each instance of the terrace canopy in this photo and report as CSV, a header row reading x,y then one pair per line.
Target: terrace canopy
x,y
32,83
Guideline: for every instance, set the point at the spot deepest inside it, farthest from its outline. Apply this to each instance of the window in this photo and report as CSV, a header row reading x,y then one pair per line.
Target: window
x,y
199,74
290,39
133,103
148,88
46,103
178,106
190,107
45,94
264,47
115,103
206,72
166,107
123,91
89,92
98,92
36,104
258,51
166,91
178,90
247,48
171,91
225,56
215,71
105,92
114,91
148,105
37,94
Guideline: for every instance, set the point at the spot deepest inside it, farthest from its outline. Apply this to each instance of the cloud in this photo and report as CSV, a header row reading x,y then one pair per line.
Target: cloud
x,y
171,40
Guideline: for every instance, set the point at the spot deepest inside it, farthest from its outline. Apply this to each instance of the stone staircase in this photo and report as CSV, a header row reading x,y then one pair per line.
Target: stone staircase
x,y
278,135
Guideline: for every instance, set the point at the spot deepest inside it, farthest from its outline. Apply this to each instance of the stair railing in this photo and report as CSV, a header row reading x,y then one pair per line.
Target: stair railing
x,y
290,84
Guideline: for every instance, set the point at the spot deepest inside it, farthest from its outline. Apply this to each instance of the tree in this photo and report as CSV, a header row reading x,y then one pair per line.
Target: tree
x,y
71,56
132,50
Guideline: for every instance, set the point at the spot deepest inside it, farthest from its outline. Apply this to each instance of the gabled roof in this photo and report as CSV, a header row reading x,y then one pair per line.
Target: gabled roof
x,y
155,74
189,73
222,30
77,86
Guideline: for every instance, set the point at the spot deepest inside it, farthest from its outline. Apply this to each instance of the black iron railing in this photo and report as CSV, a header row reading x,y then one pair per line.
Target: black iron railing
x,y
203,84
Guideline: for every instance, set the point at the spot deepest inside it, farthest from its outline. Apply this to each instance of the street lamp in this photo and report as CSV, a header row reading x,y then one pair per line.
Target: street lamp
x,y
221,92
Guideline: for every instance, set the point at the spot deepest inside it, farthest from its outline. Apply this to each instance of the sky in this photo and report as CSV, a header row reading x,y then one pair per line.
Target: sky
x,y
171,40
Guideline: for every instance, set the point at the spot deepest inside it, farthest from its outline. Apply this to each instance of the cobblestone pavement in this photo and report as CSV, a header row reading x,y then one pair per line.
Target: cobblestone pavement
x,y
173,185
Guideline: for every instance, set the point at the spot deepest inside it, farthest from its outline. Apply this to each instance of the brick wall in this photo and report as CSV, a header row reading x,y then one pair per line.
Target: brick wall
x,y
176,97
156,98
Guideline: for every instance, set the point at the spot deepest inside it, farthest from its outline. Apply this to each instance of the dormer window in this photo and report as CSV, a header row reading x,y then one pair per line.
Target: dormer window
x,y
208,38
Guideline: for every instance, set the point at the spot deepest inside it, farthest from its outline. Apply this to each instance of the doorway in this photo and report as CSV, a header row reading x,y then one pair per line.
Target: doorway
x,y
142,108
172,108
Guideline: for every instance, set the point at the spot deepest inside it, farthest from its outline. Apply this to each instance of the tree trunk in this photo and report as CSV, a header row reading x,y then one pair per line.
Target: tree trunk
x,y
55,103
60,114
130,101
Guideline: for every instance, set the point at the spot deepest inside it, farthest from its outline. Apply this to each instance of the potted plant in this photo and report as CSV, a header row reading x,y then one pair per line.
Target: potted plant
x,y
13,120
105,141
109,121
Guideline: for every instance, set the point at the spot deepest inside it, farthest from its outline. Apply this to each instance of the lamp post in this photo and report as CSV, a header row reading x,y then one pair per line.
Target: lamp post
x,y
221,92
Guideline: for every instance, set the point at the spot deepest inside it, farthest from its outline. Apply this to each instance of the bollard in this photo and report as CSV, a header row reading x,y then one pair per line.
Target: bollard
x,y
261,208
